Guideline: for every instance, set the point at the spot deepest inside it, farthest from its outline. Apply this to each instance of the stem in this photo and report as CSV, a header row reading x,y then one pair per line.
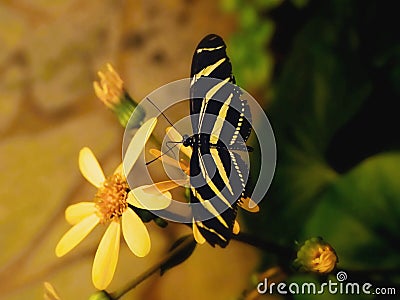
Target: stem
x,y
241,237
142,277
284,253
265,246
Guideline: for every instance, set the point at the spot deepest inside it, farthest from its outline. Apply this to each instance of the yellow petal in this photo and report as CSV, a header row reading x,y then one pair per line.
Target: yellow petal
x,y
77,212
49,292
236,228
106,258
135,233
197,235
162,186
119,170
177,137
98,90
136,145
168,195
76,234
148,200
90,167
173,134
169,160
249,205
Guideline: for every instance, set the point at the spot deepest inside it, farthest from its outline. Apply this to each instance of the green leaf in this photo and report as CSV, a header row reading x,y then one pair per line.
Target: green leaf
x,y
300,3
360,214
230,6
321,87
252,63
338,59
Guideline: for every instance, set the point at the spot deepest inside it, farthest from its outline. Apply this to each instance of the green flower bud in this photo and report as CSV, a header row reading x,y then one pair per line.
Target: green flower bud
x,y
161,222
100,295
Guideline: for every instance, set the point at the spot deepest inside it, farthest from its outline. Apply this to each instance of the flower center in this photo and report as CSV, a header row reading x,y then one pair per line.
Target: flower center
x,y
111,198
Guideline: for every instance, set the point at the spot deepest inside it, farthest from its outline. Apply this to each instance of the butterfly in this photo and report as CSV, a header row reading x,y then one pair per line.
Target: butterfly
x,y
221,123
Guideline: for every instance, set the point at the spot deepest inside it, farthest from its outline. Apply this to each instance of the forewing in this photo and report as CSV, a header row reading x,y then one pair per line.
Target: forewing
x,y
227,117
209,61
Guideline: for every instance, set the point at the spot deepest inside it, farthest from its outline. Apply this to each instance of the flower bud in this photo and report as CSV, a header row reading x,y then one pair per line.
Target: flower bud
x,y
100,295
317,256
110,90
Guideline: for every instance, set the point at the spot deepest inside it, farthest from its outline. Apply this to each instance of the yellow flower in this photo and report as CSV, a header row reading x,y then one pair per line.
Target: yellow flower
x,y
181,164
317,256
110,90
325,260
112,206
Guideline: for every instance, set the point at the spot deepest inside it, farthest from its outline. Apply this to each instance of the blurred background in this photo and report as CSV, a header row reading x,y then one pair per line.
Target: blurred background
x,y
327,74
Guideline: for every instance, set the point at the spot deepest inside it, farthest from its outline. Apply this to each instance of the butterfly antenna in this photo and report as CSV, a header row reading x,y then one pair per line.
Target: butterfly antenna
x,y
148,99
169,150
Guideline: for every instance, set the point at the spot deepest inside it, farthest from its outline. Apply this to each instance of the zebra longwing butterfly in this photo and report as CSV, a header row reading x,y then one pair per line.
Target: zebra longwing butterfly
x,y
221,124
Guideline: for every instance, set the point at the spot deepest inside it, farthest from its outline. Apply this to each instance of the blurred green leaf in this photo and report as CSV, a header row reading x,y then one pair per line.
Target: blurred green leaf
x,y
341,57
360,214
248,17
321,86
267,4
230,6
252,64
300,3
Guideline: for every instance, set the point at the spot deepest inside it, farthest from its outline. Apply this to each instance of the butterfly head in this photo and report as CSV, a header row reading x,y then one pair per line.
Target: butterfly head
x,y
187,140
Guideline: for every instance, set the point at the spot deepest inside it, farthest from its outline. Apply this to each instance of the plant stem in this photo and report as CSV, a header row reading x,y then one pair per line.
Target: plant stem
x,y
142,277
266,246
241,237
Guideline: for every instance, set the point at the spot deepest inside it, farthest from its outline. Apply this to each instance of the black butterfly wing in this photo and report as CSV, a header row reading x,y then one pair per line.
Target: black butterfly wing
x,y
215,208
211,61
216,174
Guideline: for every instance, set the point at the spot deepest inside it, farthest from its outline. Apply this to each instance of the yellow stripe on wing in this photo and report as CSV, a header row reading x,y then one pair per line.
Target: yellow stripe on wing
x,y
221,168
210,183
196,233
209,49
201,225
220,120
207,70
207,205
207,98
